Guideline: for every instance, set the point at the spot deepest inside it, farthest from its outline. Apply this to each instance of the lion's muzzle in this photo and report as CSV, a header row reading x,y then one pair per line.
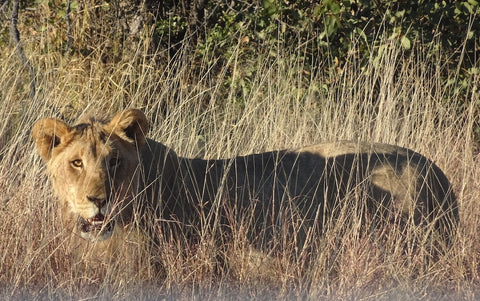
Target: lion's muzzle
x,y
96,228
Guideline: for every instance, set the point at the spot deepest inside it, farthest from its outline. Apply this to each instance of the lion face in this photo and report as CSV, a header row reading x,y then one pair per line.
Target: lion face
x,y
94,168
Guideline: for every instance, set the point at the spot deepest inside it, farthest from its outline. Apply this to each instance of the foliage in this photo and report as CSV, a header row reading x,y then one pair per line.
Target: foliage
x,y
322,35
329,30
334,25
327,34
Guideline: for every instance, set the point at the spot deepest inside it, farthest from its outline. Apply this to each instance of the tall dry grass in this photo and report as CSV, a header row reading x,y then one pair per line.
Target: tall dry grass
x,y
396,98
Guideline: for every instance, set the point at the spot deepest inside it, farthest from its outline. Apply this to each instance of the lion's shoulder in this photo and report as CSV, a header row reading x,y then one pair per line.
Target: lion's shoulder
x,y
345,147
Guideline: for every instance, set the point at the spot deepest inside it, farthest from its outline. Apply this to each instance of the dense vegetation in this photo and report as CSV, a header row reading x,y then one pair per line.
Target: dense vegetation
x,y
324,35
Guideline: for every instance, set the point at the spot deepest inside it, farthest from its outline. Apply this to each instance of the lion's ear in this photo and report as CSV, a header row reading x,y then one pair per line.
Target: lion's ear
x,y
131,124
48,134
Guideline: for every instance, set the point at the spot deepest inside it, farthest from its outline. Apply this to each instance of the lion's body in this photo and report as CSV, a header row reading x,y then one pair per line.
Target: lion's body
x,y
122,176
303,187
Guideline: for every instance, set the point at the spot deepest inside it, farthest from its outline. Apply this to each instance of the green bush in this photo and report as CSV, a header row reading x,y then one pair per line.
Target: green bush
x,y
322,36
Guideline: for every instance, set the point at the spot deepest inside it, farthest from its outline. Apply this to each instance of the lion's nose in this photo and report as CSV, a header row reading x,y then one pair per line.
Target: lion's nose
x,y
99,202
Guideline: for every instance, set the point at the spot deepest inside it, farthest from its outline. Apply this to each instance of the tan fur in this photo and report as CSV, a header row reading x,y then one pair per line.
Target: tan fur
x,y
126,179
101,177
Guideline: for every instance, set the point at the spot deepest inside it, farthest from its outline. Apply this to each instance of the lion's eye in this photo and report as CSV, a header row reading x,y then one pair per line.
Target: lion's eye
x,y
77,163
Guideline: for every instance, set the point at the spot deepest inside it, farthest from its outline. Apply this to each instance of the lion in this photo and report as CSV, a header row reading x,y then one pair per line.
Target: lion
x,y
108,177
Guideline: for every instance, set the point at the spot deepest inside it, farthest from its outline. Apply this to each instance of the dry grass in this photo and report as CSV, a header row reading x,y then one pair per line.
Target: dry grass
x,y
281,110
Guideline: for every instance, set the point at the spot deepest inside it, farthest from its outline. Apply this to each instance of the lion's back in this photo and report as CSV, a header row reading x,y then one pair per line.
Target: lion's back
x,y
306,185
310,183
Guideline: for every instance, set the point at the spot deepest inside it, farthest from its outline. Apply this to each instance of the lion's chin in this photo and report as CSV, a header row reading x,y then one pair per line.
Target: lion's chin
x,y
95,229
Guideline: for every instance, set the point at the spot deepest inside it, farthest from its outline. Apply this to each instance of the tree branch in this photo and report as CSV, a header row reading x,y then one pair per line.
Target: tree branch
x,y
15,36
4,5
69,27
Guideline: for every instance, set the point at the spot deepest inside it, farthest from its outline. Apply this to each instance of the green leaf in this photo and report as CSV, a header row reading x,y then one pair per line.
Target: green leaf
x,y
405,42
473,2
470,34
74,5
474,70
469,7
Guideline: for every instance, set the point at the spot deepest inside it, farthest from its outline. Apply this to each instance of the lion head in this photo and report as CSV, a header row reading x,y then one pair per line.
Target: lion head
x,y
94,168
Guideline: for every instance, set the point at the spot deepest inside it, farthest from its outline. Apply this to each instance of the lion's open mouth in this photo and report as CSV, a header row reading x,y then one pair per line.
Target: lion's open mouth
x,y
96,227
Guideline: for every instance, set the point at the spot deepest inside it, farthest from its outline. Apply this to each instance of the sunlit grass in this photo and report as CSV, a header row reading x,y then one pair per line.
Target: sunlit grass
x,y
395,99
